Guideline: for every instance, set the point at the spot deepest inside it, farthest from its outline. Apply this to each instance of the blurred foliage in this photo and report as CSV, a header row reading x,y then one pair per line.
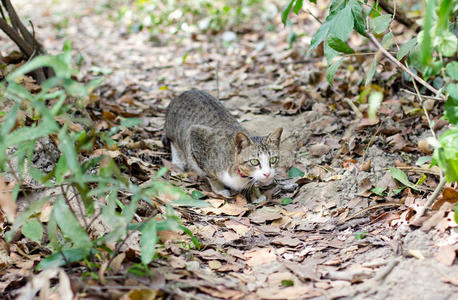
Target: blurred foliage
x,y
181,16
53,118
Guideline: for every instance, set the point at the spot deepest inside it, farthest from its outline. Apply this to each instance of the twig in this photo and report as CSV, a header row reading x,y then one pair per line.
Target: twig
x,y
64,194
424,96
420,98
431,199
359,115
442,181
118,247
382,275
371,141
362,211
80,206
419,170
396,12
315,17
400,65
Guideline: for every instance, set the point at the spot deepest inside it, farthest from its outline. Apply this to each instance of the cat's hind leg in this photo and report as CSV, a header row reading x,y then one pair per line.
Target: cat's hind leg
x,y
177,157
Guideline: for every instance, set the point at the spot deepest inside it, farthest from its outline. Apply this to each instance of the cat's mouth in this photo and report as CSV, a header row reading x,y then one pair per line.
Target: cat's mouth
x,y
266,182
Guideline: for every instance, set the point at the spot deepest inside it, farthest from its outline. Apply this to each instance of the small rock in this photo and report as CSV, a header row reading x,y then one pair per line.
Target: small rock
x,y
319,150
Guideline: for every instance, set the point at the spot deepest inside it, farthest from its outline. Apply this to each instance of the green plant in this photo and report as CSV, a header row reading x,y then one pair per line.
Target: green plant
x,y
88,189
429,56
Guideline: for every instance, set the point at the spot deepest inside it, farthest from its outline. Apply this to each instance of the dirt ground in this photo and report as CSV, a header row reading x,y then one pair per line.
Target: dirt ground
x,y
310,247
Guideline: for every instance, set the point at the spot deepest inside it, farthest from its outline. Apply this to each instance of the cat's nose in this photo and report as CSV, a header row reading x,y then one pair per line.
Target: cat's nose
x,y
266,175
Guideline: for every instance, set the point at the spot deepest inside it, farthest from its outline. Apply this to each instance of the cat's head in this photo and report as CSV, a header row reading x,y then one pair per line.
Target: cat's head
x,y
258,156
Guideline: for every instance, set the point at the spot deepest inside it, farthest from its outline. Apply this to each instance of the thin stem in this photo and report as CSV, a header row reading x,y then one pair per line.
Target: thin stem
x,y
79,202
424,96
431,199
420,98
404,68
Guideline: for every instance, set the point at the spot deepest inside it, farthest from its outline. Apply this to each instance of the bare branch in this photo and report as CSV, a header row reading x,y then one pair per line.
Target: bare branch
x,y
400,65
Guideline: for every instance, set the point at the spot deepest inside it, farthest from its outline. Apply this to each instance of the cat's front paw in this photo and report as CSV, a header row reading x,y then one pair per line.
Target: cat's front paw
x,y
259,199
224,193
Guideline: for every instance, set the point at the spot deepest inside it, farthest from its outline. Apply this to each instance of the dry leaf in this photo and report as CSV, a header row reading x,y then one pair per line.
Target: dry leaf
x,y
238,227
260,256
287,241
446,255
7,203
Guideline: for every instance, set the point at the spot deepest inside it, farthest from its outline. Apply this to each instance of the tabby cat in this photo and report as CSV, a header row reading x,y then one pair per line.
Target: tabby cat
x,y
205,138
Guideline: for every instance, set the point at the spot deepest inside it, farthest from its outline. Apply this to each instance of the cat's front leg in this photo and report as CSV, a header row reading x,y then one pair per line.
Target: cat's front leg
x,y
219,188
256,196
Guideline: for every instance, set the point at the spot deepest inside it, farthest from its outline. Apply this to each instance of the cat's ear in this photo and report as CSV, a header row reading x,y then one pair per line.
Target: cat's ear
x,y
274,137
242,141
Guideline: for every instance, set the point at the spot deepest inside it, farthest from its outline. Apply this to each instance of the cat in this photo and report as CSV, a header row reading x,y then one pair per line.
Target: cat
x,y
205,138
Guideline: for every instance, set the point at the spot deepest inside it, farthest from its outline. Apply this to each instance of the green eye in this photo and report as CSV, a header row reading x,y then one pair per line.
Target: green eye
x,y
254,162
273,160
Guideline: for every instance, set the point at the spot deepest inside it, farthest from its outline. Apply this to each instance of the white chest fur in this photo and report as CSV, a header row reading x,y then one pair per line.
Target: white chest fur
x,y
235,182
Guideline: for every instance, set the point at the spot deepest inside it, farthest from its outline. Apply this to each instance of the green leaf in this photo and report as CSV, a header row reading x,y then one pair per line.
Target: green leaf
x,y
61,69
359,23
297,6
452,69
8,122
69,224
139,270
51,229
448,43
295,172
342,24
287,282
339,45
426,43
331,70
189,202
380,24
379,191
452,89
148,241
339,24
61,169
456,213
423,160
286,201
33,230
446,155
197,195
33,208
130,122
400,176
387,40
68,150
319,36
360,235
406,48
161,172
56,259
337,5
451,110
371,72
285,13
375,99
28,133
445,9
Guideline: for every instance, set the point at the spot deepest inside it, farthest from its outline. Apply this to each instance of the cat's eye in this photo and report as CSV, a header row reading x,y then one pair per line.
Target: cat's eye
x,y
273,160
254,162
